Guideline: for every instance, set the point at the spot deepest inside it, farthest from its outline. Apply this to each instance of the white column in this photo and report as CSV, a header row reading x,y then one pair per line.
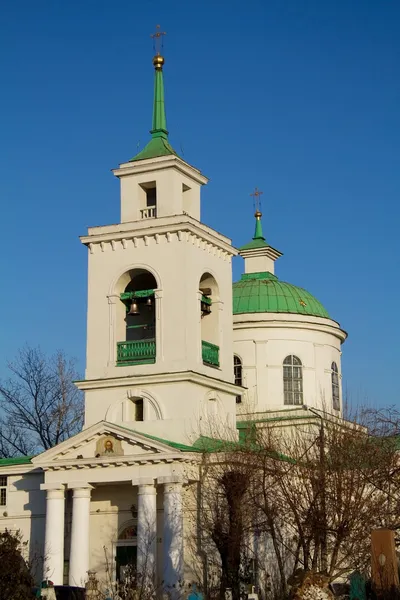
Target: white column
x,y
147,529
79,552
172,531
53,567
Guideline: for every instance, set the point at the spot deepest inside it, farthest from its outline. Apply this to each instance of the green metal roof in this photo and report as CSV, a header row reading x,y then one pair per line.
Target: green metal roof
x,y
263,292
202,444
255,243
17,460
258,240
176,445
156,147
159,144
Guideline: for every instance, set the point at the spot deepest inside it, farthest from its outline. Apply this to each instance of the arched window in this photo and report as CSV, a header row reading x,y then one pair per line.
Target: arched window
x,y
335,387
292,380
138,304
140,307
209,312
237,371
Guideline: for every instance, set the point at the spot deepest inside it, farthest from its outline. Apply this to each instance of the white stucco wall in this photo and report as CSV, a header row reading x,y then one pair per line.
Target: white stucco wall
x,y
25,511
177,265
263,341
178,252
173,410
178,187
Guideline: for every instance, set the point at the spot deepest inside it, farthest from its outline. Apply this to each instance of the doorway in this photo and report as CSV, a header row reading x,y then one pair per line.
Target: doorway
x,y
125,560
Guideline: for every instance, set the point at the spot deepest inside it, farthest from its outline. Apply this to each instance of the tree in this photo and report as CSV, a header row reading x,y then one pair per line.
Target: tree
x,y
41,406
223,519
311,493
16,581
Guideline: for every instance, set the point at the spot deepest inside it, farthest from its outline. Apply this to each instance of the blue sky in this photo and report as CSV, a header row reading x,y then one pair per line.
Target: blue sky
x,y
299,98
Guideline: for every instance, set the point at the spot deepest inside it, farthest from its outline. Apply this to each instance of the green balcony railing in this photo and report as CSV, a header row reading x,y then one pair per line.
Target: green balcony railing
x,y
210,353
138,352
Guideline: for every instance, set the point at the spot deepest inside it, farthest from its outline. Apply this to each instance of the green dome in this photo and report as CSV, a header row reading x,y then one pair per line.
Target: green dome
x,y
263,292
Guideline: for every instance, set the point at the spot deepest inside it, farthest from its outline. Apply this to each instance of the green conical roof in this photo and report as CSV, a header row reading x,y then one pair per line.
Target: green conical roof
x,y
258,240
159,144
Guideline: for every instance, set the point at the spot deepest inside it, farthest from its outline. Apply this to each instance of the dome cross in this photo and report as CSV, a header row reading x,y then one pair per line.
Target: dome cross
x,y
158,39
257,199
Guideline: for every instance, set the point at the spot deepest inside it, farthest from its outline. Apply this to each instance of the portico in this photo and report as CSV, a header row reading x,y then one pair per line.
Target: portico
x,y
147,532
90,499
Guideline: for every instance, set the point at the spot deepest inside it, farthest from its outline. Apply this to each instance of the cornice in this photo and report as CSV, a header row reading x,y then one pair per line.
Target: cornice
x,y
160,163
288,321
263,251
27,469
163,230
149,379
77,464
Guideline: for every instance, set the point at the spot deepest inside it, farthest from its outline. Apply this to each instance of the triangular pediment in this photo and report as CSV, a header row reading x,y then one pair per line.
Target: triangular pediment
x,y
106,443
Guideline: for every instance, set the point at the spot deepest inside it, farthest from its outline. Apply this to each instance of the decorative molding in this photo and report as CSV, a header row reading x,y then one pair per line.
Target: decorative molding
x,y
136,392
161,163
192,231
288,321
178,377
122,461
166,479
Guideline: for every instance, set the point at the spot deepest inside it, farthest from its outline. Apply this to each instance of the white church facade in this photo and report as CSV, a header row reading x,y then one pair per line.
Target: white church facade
x,y
173,346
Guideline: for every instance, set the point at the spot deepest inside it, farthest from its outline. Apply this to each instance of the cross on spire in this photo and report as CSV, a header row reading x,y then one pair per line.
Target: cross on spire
x,y
257,200
158,39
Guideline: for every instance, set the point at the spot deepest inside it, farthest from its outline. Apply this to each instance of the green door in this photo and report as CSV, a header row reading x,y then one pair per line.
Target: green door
x,y
126,557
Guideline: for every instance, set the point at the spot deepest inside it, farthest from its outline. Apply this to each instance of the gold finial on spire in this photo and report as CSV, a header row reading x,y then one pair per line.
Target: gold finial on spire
x,y
158,60
257,202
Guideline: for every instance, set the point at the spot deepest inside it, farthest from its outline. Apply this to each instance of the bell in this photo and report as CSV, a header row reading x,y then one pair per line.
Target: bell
x,y
134,309
149,302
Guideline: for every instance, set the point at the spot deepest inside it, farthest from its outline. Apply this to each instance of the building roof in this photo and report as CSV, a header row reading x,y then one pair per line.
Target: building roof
x,y
17,460
258,240
156,147
264,293
159,144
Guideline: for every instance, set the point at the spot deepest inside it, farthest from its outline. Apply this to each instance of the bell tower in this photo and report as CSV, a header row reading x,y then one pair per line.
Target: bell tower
x,y
159,325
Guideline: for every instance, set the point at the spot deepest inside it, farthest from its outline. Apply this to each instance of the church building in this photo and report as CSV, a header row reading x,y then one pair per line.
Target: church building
x,y
162,377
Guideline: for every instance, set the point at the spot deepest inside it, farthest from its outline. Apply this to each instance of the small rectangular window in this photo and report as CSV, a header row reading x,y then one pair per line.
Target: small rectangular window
x,y
151,197
3,491
139,409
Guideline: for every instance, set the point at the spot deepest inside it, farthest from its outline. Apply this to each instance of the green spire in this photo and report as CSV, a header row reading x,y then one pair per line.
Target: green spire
x,y
159,144
258,234
258,238
159,128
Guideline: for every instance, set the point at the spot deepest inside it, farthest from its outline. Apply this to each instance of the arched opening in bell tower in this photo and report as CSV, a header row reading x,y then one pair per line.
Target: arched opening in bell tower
x,y
136,318
209,310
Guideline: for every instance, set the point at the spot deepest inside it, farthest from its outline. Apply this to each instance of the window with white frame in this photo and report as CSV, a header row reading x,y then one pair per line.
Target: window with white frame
x,y
3,490
335,387
293,380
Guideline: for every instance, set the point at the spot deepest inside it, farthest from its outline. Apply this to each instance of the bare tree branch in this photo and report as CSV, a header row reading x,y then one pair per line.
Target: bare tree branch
x,y
41,406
